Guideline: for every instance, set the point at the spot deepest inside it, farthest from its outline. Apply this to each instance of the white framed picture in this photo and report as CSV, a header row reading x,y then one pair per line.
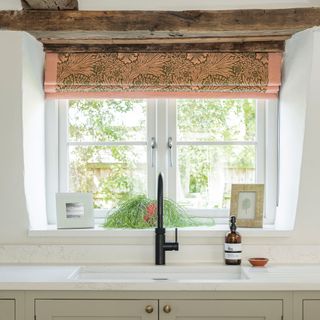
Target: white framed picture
x,y
74,210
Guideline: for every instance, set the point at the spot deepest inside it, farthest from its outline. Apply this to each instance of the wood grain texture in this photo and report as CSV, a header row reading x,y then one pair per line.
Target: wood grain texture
x,y
50,4
159,24
266,46
172,41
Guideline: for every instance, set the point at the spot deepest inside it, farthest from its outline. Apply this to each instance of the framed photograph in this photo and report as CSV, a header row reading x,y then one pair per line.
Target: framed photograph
x,y
247,204
74,210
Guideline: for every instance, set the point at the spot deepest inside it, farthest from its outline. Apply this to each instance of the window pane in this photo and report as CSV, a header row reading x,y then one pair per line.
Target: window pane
x,y
107,120
112,174
216,120
205,174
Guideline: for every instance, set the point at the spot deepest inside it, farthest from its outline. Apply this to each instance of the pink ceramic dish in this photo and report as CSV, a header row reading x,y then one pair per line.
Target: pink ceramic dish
x,y
258,262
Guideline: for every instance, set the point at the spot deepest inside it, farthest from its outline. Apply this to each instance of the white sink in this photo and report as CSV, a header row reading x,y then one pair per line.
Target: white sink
x,y
158,274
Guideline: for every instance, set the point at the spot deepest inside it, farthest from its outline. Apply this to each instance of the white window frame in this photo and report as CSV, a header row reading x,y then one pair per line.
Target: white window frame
x,y
266,159
161,125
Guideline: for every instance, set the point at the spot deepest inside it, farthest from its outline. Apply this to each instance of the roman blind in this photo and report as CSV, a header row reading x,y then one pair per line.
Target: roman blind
x,y
142,75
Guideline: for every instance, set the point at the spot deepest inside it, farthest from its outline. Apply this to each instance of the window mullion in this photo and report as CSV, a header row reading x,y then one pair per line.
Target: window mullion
x,y
63,146
162,138
172,133
52,158
108,143
151,133
216,143
271,157
260,138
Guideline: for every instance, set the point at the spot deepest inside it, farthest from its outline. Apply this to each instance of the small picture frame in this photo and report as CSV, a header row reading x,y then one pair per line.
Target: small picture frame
x,y
74,210
247,201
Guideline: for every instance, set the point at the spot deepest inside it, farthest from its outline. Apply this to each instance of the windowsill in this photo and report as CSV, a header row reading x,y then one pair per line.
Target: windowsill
x,y
217,231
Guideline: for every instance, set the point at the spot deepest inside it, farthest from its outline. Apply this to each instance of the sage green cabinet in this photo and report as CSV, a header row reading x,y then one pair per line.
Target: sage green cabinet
x,y
311,309
7,309
148,309
220,309
96,309
306,305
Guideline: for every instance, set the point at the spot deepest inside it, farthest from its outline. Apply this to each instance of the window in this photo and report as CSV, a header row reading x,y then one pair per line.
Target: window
x,y
115,148
105,149
216,146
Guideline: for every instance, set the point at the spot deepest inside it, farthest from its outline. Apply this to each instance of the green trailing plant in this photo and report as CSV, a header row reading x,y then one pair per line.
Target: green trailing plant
x,y
140,212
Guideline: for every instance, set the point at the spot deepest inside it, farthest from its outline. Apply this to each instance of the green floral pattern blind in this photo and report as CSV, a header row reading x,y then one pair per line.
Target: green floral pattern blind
x,y
78,75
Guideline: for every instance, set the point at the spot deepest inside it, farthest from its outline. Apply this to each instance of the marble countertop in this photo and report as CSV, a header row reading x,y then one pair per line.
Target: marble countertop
x,y
160,278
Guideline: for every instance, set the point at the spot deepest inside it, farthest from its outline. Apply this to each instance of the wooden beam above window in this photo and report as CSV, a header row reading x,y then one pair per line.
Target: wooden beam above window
x,y
202,26
50,5
253,46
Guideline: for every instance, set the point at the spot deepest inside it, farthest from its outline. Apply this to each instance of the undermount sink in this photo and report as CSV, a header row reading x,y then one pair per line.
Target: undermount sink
x,y
158,274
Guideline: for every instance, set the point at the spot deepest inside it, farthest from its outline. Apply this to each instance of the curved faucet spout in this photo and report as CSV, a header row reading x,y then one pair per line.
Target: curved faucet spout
x,y
160,201
161,245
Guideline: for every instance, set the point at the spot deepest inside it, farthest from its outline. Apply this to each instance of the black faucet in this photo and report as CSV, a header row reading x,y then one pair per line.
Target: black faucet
x,y
161,245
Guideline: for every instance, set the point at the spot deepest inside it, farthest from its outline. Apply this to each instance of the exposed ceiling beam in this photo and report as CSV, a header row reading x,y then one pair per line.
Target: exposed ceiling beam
x,y
50,4
254,46
159,24
184,40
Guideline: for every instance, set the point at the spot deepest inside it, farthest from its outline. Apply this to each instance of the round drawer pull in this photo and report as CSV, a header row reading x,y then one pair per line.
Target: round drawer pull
x,y
149,309
167,308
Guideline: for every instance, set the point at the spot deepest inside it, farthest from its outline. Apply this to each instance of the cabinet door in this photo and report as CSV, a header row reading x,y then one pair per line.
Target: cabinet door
x,y
7,309
96,309
311,309
220,309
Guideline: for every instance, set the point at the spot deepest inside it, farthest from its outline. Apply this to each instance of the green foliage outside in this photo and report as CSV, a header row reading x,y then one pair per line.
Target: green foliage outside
x,y
200,166
96,120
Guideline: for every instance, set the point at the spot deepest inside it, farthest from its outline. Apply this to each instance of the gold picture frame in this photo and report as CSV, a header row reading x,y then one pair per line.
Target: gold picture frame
x,y
247,202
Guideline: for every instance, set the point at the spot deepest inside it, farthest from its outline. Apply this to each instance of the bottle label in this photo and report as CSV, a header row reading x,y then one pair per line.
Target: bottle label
x,y
232,247
232,255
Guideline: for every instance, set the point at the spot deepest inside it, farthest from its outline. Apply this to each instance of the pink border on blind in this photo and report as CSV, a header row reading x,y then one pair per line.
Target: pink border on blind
x,y
50,77
50,86
275,62
173,95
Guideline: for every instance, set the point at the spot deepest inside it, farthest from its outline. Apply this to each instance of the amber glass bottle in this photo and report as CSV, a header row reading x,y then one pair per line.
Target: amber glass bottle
x,y
232,245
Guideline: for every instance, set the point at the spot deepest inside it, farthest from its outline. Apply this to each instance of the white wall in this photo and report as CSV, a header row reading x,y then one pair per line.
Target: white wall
x,y
21,131
33,130
308,218
14,218
10,5
22,171
299,134
293,106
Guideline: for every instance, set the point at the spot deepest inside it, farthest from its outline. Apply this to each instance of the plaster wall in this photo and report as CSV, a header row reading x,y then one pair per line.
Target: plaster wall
x,y
33,129
13,212
293,107
308,210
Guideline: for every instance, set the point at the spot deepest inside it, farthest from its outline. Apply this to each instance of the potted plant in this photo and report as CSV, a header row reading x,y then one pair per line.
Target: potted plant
x,y
140,212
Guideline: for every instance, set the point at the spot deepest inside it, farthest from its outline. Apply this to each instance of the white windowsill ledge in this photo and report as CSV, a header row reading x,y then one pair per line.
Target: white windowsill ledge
x,y
217,231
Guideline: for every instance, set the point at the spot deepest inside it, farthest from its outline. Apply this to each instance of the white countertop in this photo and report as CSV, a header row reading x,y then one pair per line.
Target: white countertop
x,y
160,278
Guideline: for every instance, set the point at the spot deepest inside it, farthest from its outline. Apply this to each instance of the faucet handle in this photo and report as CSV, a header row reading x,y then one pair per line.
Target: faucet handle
x,y
172,246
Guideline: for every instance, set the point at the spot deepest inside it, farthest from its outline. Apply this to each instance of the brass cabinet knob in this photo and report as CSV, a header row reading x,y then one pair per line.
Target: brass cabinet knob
x,y
167,308
149,309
